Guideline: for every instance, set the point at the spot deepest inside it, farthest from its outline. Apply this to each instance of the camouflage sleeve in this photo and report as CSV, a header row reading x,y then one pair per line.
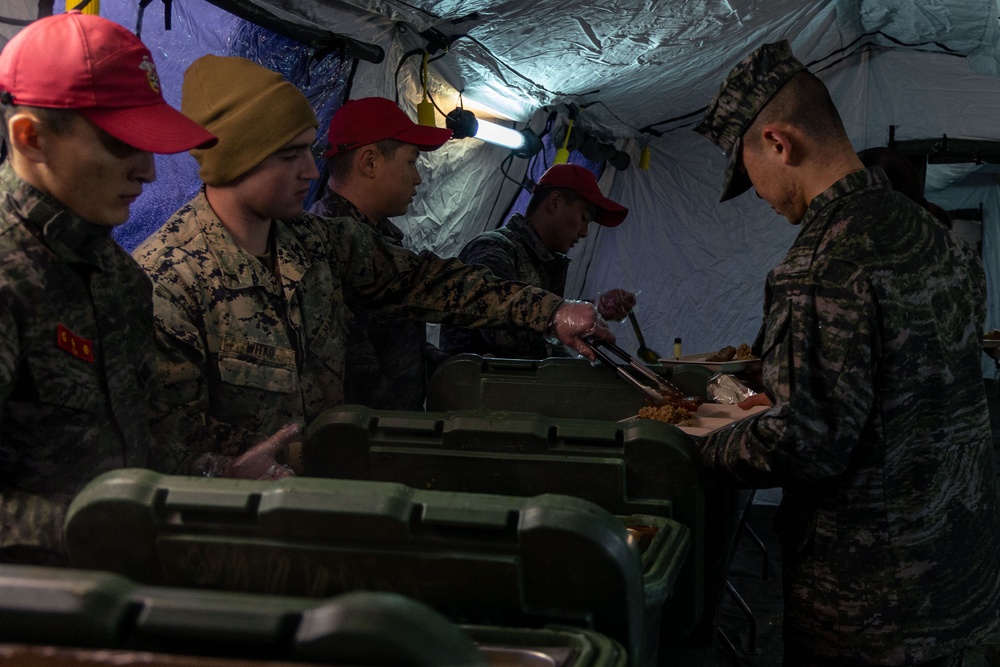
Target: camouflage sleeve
x,y
181,401
819,364
426,287
495,253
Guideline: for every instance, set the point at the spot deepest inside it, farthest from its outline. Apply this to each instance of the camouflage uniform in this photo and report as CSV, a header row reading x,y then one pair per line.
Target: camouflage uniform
x,y
513,252
879,433
388,358
75,367
242,352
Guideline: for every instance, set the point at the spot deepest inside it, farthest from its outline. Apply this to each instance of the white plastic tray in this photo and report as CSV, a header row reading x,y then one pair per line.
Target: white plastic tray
x,y
713,416
710,417
733,366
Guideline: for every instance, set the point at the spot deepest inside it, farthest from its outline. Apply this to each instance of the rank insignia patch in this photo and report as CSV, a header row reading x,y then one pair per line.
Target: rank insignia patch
x,y
79,347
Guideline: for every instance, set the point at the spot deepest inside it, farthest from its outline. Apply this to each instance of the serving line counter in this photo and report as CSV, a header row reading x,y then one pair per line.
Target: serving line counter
x,y
574,389
526,500
58,617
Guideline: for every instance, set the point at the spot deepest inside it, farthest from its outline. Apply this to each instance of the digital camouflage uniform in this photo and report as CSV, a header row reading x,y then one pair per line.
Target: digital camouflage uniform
x,y
879,433
241,353
388,358
76,364
513,252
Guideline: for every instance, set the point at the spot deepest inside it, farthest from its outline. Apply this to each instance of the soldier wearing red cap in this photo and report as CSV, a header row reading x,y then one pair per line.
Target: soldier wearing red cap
x,y
373,176
251,292
532,248
82,114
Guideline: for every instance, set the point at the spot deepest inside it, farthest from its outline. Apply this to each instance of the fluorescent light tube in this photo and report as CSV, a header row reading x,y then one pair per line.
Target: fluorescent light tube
x,y
499,135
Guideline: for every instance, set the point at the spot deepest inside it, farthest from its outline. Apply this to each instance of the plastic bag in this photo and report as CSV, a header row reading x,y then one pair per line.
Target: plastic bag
x,y
725,388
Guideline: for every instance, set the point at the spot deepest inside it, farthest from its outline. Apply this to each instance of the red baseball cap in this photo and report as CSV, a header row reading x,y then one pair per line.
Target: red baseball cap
x,y
583,182
370,119
103,72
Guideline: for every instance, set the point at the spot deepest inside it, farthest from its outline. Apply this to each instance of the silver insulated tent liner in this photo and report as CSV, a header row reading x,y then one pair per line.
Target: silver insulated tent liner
x,y
640,73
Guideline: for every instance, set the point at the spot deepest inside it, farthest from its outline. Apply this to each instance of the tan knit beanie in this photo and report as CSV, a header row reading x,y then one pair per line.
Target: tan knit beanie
x,y
252,110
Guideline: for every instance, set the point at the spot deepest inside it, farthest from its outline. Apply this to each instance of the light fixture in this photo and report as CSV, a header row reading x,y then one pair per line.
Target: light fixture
x,y
499,135
463,124
532,144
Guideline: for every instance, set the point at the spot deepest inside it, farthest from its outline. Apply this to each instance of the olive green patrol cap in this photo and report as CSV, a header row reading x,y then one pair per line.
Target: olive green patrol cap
x,y
747,89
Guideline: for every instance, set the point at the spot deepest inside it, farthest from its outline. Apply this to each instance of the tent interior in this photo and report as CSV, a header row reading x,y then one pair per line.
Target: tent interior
x,y
616,84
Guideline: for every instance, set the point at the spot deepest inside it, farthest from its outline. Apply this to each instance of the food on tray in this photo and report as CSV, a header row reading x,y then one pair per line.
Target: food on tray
x,y
677,410
728,353
668,412
687,402
725,354
992,335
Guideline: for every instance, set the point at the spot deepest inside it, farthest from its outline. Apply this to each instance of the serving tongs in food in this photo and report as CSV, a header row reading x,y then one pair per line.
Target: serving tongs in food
x,y
661,388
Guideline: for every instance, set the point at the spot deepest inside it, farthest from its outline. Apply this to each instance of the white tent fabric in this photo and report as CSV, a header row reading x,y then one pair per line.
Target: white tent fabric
x,y
698,265
701,265
647,60
642,71
927,67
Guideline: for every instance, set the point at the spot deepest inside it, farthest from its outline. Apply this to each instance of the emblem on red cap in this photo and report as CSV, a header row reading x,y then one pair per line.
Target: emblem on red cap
x,y
148,66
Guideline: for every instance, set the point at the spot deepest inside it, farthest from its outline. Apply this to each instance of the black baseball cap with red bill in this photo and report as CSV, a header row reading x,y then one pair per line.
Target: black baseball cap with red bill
x,y
372,119
103,72
583,182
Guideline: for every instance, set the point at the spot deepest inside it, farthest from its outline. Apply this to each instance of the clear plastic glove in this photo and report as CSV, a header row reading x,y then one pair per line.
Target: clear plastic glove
x,y
575,321
258,462
615,304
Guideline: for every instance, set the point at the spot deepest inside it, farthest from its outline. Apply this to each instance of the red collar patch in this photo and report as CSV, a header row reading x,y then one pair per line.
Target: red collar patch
x,y
79,347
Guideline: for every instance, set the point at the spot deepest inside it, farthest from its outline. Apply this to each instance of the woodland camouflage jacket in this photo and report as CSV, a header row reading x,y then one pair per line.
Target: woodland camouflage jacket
x,y
242,351
388,357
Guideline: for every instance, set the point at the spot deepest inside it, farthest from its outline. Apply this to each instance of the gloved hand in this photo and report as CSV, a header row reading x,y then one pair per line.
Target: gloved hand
x,y
615,304
574,321
258,462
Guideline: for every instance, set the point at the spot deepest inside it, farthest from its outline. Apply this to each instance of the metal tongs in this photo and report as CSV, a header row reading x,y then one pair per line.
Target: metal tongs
x,y
662,386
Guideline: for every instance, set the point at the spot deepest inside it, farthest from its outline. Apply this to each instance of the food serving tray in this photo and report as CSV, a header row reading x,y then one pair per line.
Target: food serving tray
x,y
731,366
991,343
710,417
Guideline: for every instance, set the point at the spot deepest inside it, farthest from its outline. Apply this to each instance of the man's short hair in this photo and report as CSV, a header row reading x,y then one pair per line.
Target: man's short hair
x,y
541,194
56,120
339,165
804,102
